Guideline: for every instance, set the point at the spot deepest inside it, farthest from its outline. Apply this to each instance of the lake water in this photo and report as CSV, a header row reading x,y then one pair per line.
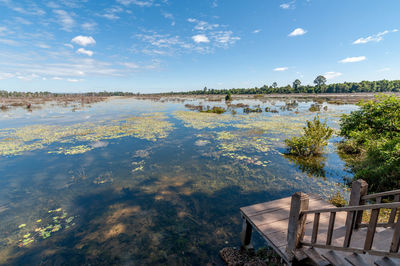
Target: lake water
x,y
130,181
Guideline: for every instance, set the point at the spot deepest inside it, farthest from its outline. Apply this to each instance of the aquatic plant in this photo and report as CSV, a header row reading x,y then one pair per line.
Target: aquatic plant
x,y
214,110
151,126
315,137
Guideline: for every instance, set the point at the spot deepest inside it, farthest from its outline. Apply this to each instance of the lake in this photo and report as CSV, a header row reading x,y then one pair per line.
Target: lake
x,y
141,181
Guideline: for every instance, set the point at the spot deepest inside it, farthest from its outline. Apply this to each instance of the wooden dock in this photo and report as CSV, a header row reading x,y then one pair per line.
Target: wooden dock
x,y
306,228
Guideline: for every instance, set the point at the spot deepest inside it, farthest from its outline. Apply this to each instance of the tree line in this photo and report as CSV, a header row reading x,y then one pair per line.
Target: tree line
x,y
319,86
44,94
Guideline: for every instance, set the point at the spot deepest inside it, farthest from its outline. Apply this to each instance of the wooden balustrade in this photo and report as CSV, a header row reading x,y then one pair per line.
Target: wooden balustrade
x,y
354,214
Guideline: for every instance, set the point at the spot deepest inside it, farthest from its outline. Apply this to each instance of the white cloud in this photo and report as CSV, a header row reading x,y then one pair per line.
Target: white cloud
x,y
84,51
84,40
69,45
373,38
136,2
90,26
200,38
9,42
74,80
281,69
353,59
332,75
43,46
64,19
288,5
224,38
111,13
27,77
297,32
256,31
4,75
203,25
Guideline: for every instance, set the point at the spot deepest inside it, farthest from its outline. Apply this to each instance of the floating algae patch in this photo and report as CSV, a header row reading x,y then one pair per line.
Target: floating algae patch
x,y
43,228
204,120
269,124
16,141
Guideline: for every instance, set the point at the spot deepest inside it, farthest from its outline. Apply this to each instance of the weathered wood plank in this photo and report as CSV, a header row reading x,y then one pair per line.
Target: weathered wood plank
x,y
382,194
356,260
245,235
330,228
371,229
394,210
296,225
394,247
335,259
315,228
315,257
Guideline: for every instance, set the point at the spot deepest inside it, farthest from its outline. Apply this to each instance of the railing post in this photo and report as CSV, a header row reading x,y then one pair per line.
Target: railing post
x,y
245,235
297,220
359,188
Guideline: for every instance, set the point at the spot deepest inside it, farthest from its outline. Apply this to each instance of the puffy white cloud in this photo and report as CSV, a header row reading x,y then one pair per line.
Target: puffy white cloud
x,y
83,40
332,75
69,45
373,38
285,6
281,69
353,59
84,51
200,38
297,32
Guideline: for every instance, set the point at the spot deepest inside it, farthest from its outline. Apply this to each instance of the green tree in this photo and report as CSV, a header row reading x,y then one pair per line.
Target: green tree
x,y
228,97
373,132
296,84
320,81
315,137
274,85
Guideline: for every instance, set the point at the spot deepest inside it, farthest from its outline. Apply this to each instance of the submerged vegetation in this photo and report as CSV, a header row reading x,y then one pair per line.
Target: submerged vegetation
x,y
372,138
82,137
315,137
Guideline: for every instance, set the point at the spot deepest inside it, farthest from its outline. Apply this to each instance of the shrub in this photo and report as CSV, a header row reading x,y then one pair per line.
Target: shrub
x,y
312,142
228,97
373,131
215,110
338,200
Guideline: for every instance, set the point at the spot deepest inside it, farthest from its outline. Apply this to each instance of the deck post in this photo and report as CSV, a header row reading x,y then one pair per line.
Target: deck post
x,y
297,220
359,189
245,235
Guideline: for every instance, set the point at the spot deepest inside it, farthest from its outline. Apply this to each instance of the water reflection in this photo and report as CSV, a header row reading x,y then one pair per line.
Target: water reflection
x,y
167,193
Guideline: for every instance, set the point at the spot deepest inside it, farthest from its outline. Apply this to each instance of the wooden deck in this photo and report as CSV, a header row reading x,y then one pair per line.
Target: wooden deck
x,y
271,219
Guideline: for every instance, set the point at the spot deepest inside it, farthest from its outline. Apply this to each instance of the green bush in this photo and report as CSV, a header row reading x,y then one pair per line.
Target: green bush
x,y
373,131
215,110
312,142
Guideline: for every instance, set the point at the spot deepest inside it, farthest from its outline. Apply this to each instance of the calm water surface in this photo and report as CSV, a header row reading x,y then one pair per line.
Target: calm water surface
x,y
130,181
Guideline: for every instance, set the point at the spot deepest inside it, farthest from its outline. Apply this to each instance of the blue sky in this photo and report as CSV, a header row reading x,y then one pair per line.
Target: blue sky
x,y
165,45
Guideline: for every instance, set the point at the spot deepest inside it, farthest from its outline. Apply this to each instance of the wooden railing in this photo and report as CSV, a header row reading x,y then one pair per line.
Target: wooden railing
x,y
357,205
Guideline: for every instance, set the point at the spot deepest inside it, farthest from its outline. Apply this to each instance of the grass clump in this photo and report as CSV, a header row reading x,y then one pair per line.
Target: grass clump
x,y
338,200
252,110
315,137
215,110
